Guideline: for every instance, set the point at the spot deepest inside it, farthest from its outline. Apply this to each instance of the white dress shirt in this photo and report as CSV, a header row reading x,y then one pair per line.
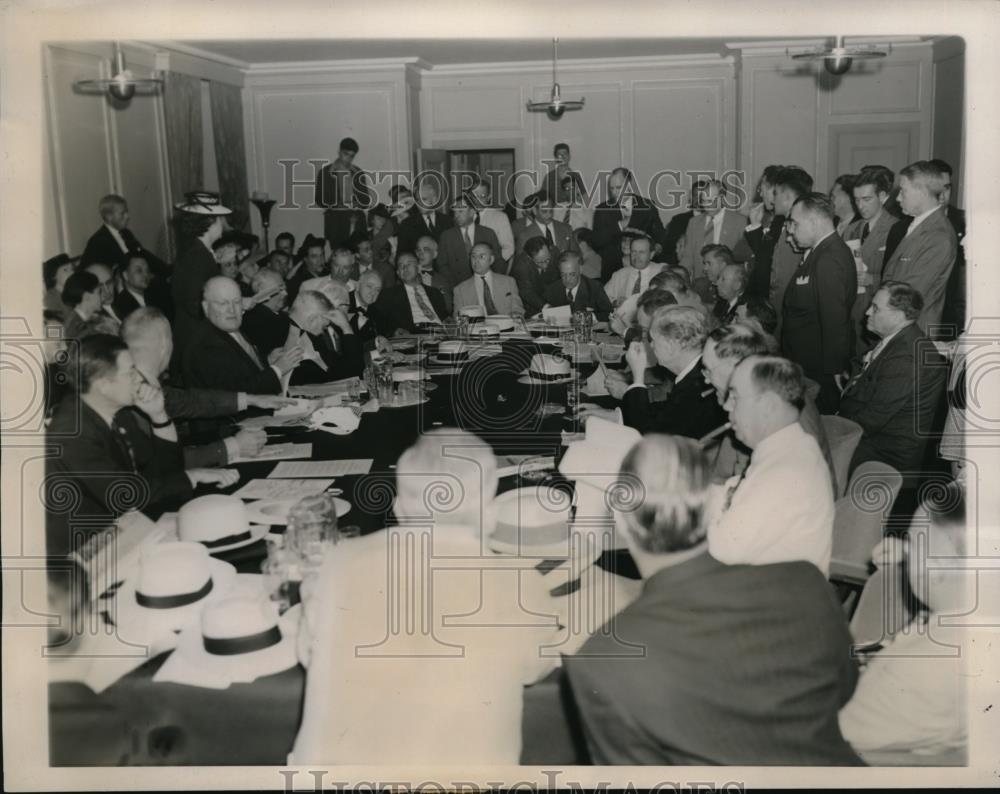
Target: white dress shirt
x,y
118,238
497,220
419,316
621,285
920,219
446,691
783,508
477,281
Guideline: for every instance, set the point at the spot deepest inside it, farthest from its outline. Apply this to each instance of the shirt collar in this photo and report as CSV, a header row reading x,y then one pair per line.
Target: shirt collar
x,y
921,218
777,439
687,369
886,339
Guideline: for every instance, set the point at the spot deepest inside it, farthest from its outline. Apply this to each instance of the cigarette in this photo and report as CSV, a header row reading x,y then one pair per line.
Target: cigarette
x,y
708,391
717,432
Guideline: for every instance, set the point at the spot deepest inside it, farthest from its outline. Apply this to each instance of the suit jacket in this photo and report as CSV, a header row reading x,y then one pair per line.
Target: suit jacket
x,y
453,259
366,334
386,271
519,228
532,284
392,309
94,468
266,330
954,301
103,248
196,266
125,303
344,361
589,295
924,259
506,298
194,456
874,247
415,227
218,362
719,664
675,229
337,214
691,409
293,284
733,224
896,234
817,331
761,243
726,313
894,399
562,237
608,231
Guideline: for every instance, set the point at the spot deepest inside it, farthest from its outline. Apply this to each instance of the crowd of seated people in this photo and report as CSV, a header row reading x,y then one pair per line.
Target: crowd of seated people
x,y
740,333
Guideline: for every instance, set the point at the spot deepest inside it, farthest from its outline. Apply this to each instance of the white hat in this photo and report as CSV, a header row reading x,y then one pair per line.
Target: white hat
x,y
202,203
239,639
451,352
218,522
172,584
473,312
502,322
533,522
546,368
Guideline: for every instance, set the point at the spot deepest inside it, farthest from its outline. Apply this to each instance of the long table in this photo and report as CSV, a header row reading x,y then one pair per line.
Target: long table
x,y
139,722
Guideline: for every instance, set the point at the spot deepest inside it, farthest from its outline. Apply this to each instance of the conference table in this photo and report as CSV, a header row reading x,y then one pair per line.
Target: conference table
x,y
140,722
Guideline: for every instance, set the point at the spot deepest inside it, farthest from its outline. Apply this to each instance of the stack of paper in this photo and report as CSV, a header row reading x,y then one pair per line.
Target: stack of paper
x,y
278,452
321,468
558,315
282,489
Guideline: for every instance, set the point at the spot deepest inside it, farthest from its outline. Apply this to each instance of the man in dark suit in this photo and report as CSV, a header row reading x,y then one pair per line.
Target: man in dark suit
x,y
534,273
314,265
455,244
102,457
926,255
954,300
362,314
201,220
223,357
661,684
410,302
677,335
331,351
136,278
430,273
558,235
816,331
624,209
342,189
897,387
265,324
426,219
731,288
365,254
576,290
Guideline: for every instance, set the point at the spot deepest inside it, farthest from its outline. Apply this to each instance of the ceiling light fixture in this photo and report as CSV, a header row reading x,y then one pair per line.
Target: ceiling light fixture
x,y
556,105
121,85
838,59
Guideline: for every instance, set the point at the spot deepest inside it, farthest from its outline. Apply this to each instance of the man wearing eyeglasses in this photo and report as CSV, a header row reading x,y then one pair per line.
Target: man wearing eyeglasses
x,y
223,357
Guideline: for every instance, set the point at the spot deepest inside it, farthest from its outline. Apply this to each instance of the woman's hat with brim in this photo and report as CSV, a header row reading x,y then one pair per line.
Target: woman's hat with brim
x,y
202,203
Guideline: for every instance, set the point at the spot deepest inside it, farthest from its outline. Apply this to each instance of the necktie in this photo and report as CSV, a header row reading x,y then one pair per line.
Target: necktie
x,y
491,307
424,304
731,492
569,297
247,348
430,221
637,287
468,239
549,241
864,232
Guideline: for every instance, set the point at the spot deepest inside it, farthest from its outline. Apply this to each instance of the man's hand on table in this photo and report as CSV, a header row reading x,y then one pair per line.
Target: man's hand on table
x,y
250,441
221,477
268,401
588,410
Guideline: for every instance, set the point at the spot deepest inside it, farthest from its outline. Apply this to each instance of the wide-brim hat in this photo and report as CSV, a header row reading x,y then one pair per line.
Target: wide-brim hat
x,y
171,585
533,522
218,522
239,639
545,369
200,202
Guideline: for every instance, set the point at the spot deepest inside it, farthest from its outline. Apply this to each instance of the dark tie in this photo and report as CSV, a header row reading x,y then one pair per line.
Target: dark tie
x,y
864,232
468,239
488,297
638,284
569,297
247,348
430,221
548,237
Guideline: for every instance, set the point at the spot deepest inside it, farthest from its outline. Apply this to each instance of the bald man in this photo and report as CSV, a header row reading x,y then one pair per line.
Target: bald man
x,y
223,357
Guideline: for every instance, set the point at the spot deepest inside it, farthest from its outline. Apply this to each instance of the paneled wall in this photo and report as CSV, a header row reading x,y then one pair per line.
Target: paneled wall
x,y
949,97
651,114
797,113
297,113
96,146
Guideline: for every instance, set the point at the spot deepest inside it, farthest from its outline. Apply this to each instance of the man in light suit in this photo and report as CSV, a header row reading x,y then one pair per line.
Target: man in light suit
x,y
926,255
456,243
494,292
871,191
816,333
716,225
898,386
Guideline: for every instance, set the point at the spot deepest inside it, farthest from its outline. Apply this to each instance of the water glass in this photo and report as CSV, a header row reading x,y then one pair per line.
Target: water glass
x,y
312,526
462,327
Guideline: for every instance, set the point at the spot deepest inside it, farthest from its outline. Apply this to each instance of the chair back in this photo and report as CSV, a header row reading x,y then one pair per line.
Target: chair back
x,y
859,517
844,436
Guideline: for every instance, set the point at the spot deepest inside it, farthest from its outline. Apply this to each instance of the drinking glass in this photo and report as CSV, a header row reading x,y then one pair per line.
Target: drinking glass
x,y
312,526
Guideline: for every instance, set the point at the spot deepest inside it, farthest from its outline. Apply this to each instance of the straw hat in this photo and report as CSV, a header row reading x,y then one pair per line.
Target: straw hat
x,y
546,369
218,522
532,522
203,203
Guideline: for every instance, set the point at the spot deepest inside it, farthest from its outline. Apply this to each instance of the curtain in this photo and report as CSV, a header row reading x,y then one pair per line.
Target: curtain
x,y
182,110
230,152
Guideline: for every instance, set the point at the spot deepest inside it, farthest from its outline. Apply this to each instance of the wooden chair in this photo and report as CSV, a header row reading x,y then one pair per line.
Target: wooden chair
x,y
859,517
844,436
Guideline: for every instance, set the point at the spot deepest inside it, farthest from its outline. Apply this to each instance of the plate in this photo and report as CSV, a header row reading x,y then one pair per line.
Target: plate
x,y
275,511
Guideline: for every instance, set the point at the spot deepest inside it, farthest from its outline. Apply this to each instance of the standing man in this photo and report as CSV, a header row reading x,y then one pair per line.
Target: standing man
x,y
494,292
561,176
558,236
533,272
425,220
817,333
624,209
495,219
455,245
341,190
926,255
716,225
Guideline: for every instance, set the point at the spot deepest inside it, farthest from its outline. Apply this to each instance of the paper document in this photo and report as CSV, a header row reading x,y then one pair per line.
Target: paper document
x,y
321,468
559,315
278,452
282,489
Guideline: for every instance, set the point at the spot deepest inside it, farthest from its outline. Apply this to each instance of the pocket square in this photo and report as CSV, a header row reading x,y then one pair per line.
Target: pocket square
x,y
802,280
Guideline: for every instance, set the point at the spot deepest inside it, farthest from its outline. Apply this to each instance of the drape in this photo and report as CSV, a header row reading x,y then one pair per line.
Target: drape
x,y
182,111
230,151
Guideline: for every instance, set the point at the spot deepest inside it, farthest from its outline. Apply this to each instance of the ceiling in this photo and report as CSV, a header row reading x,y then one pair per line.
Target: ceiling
x,y
451,51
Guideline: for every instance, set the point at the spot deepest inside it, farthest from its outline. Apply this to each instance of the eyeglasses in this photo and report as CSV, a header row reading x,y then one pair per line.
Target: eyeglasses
x,y
233,304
